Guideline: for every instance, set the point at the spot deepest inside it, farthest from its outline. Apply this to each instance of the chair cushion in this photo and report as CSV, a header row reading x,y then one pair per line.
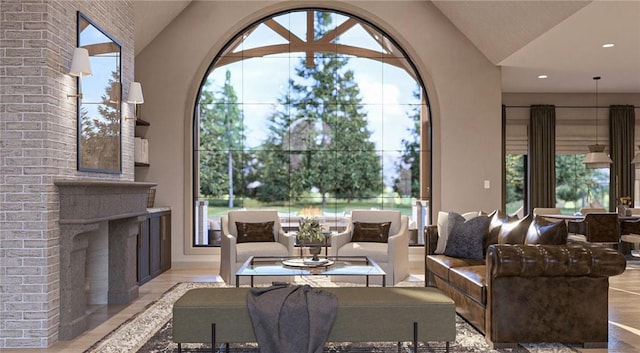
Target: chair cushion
x,y
373,216
440,265
245,250
467,238
371,232
253,216
255,232
471,280
376,251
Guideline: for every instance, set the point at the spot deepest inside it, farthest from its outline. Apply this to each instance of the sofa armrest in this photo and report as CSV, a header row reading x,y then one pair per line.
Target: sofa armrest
x,y
288,240
561,290
571,260
340,239
430,239
399,242
227,252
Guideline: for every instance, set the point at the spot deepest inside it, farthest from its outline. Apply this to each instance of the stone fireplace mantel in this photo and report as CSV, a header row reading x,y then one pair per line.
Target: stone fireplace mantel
x,y
103,212
91,201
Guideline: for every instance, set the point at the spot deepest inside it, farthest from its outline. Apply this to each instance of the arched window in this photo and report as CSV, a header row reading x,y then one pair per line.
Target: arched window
x,y
314,113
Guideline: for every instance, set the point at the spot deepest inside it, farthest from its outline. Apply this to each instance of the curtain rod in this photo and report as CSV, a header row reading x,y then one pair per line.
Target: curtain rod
x,y
569,106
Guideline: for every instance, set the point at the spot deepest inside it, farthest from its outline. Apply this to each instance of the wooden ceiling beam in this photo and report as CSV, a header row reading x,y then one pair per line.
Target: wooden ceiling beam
x,y
283,32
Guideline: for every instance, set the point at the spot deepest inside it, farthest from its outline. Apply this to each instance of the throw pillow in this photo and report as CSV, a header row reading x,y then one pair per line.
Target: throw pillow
x,y
514,232
467,238
444,229
255,232
546,232
498,218
370,232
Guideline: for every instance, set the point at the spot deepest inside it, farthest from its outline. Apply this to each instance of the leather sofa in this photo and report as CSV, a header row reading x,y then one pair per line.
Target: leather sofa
x,y
529,293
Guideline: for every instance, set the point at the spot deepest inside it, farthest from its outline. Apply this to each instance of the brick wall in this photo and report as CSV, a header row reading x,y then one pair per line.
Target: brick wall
x,y
38,134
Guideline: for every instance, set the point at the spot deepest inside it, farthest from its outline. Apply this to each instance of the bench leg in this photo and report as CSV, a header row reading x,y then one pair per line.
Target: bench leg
x,y
415,337
179,347
213,338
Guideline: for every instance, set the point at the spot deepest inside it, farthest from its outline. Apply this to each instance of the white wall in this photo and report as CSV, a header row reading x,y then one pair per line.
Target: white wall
x,y
463,88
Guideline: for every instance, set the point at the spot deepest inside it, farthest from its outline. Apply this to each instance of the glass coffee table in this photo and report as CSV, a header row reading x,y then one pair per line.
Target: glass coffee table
x,y
303,266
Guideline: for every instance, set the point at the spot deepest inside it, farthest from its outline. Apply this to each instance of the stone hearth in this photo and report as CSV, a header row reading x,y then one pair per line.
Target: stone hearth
x,y
93,214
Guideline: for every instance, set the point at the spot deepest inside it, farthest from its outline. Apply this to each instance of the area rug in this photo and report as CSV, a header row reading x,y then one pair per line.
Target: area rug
x,y
150,331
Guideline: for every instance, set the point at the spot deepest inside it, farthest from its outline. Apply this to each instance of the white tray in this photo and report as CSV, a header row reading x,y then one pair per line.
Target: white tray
x,y
307,262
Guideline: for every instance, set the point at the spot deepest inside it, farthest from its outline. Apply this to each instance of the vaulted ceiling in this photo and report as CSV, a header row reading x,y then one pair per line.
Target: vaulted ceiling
x,y
560,39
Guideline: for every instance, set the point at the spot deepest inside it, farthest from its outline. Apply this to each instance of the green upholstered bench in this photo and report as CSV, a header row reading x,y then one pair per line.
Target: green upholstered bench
x,y
364,314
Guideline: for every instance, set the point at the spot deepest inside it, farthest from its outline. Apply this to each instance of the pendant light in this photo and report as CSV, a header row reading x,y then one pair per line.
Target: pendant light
x,y
596,158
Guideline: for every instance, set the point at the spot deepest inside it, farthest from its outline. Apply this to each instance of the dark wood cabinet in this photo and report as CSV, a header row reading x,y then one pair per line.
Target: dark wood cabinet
x,y
144,273
165,242
154,244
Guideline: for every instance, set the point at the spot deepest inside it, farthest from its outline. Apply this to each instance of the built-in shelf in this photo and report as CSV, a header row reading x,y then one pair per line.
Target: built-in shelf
x,y
141,133
140,122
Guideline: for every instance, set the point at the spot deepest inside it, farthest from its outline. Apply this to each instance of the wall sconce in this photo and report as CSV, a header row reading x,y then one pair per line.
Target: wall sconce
x,y
135,97
80,66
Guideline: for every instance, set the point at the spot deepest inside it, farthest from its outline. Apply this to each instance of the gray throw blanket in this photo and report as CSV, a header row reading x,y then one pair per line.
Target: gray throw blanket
x,y
291,318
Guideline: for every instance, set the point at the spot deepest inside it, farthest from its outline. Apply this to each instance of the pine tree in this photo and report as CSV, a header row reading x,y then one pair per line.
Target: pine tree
x,y
325,133
408,167
221,143
100,134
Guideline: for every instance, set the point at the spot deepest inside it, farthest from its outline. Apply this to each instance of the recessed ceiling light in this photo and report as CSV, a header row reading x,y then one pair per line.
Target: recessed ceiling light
x,y
542,76
608,45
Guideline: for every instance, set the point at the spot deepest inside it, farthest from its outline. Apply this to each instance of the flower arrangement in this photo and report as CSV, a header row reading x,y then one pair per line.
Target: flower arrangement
x,y
310,231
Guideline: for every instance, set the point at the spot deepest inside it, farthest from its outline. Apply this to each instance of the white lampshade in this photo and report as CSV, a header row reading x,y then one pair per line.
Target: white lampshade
x,y
135,93
596,158
80,64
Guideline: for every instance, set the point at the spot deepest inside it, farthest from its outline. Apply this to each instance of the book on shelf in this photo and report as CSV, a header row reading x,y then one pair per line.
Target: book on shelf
x,y
141,150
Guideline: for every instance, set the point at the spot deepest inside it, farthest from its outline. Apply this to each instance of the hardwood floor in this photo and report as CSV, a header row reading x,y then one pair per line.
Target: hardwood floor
x,y
624,310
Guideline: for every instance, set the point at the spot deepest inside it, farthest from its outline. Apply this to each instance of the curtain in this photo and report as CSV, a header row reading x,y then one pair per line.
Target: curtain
x,y
622,122
542,157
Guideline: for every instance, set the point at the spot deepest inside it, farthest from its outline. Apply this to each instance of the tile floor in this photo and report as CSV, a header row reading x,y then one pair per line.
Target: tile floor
x,y
624,310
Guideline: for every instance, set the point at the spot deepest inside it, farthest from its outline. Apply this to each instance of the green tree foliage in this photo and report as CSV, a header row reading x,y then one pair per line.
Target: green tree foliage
x,y
514,168
323,140
409,165
573,180
100,134
271,169
222,157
